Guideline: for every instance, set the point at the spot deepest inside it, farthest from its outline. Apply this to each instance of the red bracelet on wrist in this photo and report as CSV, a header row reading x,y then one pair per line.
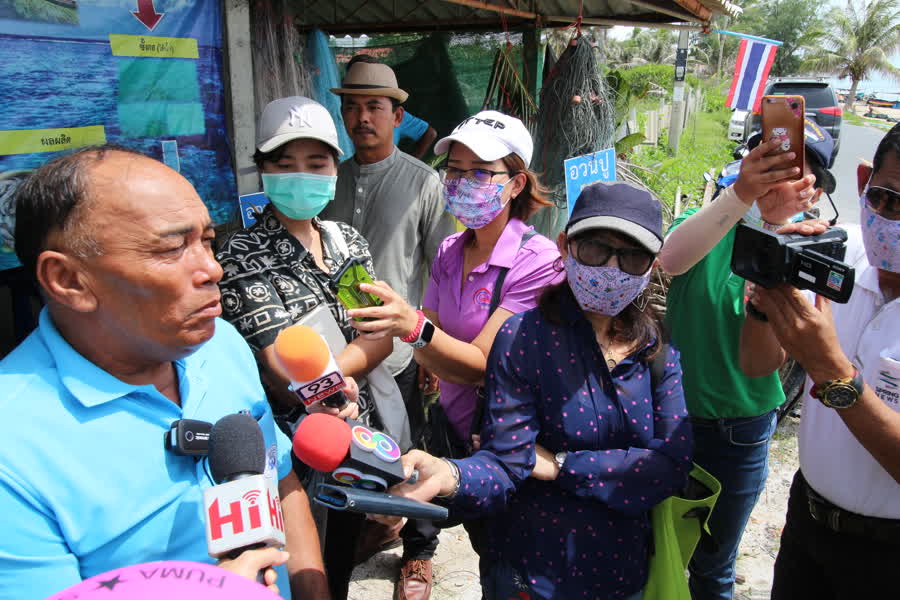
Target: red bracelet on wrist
x,y
414,334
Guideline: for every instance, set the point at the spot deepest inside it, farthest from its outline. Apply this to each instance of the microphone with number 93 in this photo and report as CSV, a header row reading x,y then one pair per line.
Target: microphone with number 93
x,y
365,461
243,511
315,376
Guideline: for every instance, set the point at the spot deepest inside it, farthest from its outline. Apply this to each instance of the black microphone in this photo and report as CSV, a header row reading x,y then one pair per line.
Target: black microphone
x,y
243,511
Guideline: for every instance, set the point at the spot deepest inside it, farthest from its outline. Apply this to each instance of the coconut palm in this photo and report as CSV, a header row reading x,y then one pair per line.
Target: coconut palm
x,y
859,43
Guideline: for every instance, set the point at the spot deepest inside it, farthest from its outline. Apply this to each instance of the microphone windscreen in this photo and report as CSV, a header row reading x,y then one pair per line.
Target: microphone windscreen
x,y
301,352
236,447
322,441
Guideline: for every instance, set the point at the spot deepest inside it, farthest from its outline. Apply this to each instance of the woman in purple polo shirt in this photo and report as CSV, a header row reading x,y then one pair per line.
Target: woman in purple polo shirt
x,y
488,187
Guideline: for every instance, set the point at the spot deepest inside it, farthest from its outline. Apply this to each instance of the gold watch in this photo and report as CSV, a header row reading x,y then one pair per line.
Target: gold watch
x,y
839,393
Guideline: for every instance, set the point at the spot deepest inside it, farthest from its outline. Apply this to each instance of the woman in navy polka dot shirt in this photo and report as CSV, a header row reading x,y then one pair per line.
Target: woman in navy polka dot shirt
x,y
576,445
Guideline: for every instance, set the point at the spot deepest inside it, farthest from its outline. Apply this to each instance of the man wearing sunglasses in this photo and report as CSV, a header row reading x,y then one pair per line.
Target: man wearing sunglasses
x,y
842,537
733,415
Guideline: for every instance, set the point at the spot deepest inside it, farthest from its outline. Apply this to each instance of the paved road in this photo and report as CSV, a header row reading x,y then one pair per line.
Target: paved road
x,y
857,142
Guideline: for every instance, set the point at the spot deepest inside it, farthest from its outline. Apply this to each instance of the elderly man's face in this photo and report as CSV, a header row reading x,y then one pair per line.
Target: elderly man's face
x,y
156,279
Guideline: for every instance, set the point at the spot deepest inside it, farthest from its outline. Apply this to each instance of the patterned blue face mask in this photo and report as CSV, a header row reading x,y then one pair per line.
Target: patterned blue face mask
x,y
475,205
299,196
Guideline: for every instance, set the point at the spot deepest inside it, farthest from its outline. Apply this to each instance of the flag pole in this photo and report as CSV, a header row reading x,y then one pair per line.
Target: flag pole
x,y
755,38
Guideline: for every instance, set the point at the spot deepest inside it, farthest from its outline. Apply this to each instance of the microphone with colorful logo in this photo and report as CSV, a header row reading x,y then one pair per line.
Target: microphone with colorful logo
x,y
306,359
243,511
363,462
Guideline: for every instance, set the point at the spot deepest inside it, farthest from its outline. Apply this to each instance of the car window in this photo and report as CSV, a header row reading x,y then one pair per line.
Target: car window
x,y
817,95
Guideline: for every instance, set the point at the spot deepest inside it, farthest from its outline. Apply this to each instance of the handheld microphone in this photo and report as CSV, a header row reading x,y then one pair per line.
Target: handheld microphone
x,y
243,511
304,355
364,460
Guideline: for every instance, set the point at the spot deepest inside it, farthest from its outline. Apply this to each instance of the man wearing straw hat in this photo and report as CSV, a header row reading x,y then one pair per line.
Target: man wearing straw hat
x,y
395,201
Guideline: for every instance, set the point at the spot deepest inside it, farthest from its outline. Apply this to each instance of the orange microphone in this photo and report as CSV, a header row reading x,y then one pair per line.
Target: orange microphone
x,y
315,376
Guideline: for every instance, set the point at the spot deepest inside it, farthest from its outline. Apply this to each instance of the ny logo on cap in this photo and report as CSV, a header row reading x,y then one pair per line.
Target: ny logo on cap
x,y
298,118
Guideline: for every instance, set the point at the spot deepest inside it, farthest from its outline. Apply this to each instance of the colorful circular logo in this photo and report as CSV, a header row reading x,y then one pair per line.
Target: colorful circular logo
x,y
381,444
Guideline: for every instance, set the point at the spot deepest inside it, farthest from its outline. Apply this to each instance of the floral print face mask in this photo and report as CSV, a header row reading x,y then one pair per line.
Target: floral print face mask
x,y
475,205
603,290
881,237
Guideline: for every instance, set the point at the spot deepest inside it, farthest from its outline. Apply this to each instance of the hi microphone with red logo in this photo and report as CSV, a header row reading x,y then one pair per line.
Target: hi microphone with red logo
x,y
315,376
365,461
243,511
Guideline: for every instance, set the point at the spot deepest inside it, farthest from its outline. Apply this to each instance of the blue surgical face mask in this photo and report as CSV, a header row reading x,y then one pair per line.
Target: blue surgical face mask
x,y
299,196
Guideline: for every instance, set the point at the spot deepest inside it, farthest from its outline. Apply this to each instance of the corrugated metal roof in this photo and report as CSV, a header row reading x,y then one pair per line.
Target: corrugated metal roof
x,y
400,15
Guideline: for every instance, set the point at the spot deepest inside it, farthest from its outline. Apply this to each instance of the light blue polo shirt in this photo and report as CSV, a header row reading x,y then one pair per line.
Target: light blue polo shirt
x,y
410,128
86,484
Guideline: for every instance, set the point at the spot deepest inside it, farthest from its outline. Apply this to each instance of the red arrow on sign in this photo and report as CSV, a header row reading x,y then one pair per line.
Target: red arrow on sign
x,y
146,14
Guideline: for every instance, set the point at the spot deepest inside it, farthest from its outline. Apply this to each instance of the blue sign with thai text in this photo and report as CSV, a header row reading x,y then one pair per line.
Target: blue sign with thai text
x,y
251,205
587,169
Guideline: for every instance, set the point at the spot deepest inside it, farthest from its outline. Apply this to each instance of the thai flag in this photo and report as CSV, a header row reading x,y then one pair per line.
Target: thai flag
x,y
754,61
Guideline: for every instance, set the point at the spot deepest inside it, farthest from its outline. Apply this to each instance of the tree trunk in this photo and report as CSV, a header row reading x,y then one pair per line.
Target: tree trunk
x,y
851,96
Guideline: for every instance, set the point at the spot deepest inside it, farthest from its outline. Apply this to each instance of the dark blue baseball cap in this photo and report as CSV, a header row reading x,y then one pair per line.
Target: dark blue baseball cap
x,y
619,207
819,148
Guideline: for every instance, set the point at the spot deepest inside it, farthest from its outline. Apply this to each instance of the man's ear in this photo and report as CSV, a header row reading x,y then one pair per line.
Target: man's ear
x,y
64,281
863,174
398,116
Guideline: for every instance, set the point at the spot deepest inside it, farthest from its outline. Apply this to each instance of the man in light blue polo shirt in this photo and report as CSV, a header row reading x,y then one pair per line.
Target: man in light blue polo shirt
x,y
128,343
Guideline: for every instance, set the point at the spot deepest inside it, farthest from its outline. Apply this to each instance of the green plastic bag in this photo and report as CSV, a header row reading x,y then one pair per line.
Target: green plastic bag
x,y
678,522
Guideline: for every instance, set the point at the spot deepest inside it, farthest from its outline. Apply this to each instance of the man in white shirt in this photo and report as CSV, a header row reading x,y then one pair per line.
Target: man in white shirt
x,y
842,537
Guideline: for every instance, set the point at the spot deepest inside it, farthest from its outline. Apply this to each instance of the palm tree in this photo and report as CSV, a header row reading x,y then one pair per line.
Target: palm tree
x,y
859,43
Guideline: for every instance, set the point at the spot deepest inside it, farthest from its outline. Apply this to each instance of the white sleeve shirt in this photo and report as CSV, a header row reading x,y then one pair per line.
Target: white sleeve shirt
x,y
833,461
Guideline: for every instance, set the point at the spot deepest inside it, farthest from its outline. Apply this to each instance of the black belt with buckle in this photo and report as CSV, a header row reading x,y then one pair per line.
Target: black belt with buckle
x,y
835,518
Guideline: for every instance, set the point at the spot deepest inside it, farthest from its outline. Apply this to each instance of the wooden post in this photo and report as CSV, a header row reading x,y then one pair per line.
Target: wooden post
x,y
678,103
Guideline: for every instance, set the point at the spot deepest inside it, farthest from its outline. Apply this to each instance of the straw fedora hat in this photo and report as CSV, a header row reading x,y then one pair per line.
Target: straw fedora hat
x,y
371,79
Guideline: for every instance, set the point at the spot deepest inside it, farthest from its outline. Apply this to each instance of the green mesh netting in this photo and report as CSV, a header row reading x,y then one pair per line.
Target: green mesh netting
x,y
446,74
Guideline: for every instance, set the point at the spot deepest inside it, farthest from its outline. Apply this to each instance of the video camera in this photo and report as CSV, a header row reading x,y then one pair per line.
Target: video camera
x,y
807,262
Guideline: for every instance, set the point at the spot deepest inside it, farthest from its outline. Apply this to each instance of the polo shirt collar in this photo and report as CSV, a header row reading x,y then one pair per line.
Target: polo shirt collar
x,y
377,167
507,246
868,279
88,383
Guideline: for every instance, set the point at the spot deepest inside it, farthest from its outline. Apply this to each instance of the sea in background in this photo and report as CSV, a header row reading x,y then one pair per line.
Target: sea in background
x,y
56,82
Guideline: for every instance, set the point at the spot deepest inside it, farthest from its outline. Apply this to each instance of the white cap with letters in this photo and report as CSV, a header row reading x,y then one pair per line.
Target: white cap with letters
x,y
292,118
491,135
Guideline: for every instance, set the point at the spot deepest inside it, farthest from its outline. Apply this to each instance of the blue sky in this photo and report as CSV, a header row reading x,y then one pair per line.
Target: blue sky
x,y
198,19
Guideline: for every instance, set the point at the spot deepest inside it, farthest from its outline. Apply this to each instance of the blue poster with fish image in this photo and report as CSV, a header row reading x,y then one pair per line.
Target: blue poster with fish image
x,y
145,74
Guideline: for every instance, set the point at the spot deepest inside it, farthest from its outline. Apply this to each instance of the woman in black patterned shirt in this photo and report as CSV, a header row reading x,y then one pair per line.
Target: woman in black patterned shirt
x,y
280,268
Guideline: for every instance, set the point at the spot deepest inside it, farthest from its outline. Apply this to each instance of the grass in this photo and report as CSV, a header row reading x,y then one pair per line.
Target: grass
x,y
704,145
855,119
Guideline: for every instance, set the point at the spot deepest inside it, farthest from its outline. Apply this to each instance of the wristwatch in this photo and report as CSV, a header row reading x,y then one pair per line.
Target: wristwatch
x,y
425,336
560,458
839,393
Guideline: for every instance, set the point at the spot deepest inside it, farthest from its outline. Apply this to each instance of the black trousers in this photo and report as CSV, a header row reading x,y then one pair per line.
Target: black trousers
x,y
817,563
420,538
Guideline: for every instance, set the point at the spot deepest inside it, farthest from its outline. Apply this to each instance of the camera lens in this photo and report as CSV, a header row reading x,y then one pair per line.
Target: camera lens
x,y
794,105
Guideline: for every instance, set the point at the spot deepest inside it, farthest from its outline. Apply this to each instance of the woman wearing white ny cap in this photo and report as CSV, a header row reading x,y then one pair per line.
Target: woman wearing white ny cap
x,y
280,269
495,268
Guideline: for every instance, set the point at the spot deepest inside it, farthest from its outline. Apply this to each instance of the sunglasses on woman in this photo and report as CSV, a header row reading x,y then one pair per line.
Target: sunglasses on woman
x,y
594,253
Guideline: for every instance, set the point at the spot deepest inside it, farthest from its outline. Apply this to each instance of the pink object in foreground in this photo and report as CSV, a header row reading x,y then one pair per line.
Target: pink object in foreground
x,y
171,580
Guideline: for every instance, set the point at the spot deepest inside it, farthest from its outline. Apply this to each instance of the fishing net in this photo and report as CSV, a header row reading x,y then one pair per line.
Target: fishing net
x,y
506,92
277,54
577,117
324,75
